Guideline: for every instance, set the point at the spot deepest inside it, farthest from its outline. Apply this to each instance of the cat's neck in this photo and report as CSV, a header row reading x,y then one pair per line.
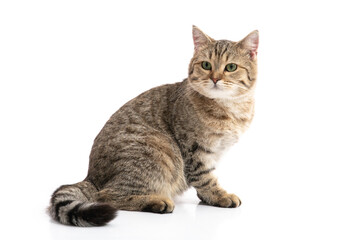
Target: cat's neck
x,y
244,98
235,111
241,108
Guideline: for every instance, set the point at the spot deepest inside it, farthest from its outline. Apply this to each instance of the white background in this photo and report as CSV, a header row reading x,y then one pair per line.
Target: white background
x,y
66,66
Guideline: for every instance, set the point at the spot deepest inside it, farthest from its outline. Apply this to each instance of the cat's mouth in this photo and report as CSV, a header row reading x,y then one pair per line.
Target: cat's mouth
x,y
216,87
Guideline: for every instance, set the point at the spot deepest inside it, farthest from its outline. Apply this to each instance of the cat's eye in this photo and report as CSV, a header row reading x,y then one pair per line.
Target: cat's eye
x,y
231,67
206,65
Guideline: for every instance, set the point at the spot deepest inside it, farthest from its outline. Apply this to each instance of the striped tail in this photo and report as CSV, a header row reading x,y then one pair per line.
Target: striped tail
x,y
75,205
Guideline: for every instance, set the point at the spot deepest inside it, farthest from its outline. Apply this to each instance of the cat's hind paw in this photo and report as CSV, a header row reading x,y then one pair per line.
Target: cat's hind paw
x,y
159,205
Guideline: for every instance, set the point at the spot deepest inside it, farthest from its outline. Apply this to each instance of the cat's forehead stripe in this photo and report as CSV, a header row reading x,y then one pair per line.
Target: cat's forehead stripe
x,y
220,50
221,47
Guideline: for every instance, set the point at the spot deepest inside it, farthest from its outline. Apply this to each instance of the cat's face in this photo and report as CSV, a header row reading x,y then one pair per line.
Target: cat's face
x,y
223,69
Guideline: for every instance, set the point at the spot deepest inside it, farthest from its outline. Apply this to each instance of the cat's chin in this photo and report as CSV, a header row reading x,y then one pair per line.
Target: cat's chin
x,y
216,93
213,91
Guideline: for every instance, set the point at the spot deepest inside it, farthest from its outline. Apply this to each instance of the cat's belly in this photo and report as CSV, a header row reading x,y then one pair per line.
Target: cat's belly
x,y
171,189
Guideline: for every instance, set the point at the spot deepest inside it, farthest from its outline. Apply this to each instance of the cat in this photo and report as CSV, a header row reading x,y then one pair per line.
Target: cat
x,y
168,139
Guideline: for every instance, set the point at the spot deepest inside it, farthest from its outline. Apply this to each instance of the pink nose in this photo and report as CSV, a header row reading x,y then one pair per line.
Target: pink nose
x,y
215,80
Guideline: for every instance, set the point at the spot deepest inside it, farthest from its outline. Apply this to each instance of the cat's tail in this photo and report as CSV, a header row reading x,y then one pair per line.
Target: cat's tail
x,y
76,205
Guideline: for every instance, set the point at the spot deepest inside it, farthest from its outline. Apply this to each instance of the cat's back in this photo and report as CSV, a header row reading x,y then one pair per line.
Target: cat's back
x,y
151,108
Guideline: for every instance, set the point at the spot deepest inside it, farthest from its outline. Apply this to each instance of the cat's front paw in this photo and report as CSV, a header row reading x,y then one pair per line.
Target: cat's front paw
x,y
225,200
228,201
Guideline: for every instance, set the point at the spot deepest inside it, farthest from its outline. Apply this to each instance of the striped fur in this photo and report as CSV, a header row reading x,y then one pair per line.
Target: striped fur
x,y
167,139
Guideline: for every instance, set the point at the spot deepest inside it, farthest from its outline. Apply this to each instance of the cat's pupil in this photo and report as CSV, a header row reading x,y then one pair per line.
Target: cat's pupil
x,y
231,67
206,65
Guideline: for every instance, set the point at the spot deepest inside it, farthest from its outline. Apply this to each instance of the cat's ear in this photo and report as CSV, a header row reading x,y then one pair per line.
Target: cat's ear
x,y
250,43
200,38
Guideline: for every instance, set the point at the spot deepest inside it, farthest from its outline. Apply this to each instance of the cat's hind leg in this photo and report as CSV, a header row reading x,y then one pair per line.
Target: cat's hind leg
x,y
145,203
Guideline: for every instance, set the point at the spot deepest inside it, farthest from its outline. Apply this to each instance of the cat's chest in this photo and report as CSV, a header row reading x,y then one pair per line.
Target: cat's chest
x,y
210,147
219,142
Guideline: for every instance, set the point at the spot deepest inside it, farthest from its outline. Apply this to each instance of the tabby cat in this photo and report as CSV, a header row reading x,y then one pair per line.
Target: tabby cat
x,y
168,139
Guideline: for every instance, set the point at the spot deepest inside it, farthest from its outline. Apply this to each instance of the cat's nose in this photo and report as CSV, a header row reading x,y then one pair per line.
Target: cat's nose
x,y
215,80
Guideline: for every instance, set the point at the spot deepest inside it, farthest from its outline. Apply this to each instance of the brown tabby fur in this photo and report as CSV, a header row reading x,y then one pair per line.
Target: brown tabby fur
x,y
167,139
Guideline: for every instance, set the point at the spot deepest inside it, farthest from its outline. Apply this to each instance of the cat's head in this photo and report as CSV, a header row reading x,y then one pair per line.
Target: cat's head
x,y
223,69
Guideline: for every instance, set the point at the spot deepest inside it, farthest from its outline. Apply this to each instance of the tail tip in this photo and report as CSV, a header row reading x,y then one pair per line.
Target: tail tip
x,y
99,214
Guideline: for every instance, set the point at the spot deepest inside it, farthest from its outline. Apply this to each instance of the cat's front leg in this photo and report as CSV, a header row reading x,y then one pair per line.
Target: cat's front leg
x,y
209,191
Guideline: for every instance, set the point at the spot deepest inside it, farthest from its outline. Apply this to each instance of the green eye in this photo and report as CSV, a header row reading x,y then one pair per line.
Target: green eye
x,y
206,65
231,67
